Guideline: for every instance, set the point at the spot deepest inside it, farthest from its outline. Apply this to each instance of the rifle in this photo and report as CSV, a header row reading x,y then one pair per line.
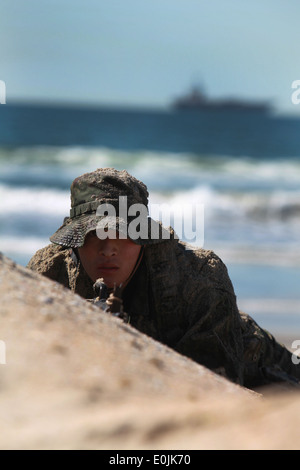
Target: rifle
x,y
109,302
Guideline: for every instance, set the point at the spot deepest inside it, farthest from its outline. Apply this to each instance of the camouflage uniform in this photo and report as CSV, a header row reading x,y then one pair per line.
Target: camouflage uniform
x,y
180,297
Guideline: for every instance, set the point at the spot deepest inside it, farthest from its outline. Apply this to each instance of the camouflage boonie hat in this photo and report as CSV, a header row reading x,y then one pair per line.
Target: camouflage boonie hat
x,y
101,187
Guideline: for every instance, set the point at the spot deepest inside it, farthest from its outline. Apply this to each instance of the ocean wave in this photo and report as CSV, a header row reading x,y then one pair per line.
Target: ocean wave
x,y
282,206
164,171
25,246
32,200
285,254
273,306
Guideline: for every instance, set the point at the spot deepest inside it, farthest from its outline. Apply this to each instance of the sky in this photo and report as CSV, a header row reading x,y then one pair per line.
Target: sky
x,y
148,52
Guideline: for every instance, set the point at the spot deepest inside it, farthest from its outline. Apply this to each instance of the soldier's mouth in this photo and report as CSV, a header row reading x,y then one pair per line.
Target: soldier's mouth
x,y
108,268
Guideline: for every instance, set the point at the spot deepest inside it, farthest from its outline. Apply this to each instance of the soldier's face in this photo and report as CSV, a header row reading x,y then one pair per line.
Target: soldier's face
x,y
113,259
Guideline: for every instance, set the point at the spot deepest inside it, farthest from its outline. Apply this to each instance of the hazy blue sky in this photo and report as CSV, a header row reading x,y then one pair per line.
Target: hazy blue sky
x,y
145,52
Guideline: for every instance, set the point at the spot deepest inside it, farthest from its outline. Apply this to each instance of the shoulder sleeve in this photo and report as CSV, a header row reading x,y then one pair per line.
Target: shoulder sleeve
x,y
51,262
206,264
58,263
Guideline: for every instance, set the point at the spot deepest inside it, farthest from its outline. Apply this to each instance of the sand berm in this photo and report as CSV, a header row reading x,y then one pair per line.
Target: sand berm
x,y
72,377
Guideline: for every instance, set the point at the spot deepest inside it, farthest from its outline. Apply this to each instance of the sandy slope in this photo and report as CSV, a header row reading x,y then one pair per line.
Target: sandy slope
x,y
78,379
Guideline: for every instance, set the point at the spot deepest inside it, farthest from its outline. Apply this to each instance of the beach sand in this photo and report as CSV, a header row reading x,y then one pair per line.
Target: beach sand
x,y
75,378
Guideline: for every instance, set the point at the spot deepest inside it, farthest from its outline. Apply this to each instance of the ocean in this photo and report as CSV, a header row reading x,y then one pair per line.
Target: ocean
x,y
243,167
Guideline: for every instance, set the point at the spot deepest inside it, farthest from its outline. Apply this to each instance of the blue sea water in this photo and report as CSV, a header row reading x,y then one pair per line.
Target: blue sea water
x,y
243,167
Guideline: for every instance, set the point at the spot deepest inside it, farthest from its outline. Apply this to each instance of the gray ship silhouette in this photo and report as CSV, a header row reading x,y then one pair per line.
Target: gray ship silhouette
x,y
196,99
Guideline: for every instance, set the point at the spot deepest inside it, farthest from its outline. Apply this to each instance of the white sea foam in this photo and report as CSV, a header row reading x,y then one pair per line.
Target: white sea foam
x,y
271,254
33,200
152,164
273,306
27,246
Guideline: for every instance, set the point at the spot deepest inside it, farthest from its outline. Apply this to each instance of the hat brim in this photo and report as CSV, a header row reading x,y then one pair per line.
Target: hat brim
x,y
74,230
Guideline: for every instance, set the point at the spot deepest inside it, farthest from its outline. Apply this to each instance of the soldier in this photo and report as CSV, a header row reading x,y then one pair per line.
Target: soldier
x,y
181,297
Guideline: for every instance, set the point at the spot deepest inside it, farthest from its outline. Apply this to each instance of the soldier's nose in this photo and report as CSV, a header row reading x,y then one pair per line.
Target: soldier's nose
x,y
107,247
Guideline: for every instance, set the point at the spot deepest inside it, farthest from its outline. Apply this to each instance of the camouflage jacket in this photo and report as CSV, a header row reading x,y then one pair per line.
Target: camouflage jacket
x,y
185,299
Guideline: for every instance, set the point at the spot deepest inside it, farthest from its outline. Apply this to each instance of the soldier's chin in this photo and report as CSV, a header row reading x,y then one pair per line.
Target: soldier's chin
x,y
109,280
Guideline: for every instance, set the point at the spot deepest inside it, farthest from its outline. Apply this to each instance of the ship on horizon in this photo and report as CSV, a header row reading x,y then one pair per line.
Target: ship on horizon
x,y
196,99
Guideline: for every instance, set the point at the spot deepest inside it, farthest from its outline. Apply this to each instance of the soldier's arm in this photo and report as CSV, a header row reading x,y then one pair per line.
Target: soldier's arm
x,y
266,360
214,339
214,336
